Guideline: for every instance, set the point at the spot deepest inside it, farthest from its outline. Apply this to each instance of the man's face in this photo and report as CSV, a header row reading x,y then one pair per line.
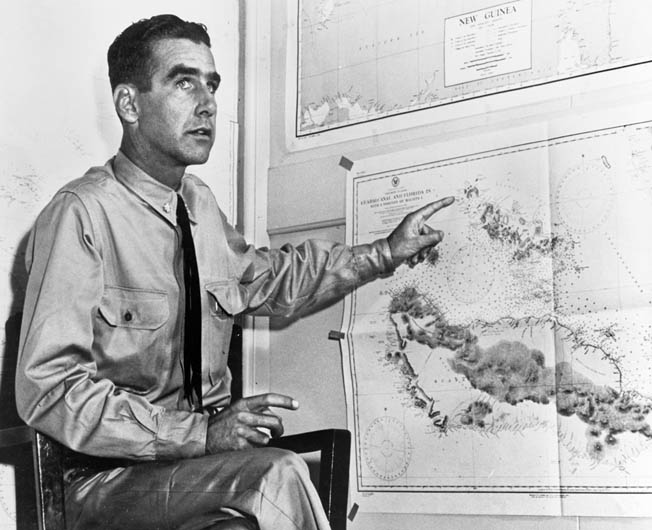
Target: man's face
x,y
176,118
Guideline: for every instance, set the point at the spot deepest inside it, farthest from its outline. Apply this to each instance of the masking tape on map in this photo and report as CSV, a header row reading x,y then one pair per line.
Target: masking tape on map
x,y
335,335
353,512
346,163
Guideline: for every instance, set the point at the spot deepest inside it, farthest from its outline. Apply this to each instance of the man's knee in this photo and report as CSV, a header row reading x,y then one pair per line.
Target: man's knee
x,y
285,462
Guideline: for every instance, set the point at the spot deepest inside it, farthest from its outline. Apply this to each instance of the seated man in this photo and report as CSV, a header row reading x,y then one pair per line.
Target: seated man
x,y
134,278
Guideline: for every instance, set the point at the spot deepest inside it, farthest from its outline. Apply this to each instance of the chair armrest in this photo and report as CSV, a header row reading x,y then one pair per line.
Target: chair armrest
x,y
335,447
306,442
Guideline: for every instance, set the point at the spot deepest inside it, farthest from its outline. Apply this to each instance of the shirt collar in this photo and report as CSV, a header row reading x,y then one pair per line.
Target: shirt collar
x,y
160,197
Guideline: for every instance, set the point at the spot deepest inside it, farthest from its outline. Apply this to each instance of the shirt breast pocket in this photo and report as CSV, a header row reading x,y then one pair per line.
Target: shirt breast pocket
x,y
226,298
131,341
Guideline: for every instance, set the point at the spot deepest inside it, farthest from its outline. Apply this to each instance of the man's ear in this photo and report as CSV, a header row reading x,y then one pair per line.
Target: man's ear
x,y
124,100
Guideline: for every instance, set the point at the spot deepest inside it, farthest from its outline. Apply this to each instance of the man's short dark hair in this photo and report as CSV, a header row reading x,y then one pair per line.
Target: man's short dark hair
x,y
130,54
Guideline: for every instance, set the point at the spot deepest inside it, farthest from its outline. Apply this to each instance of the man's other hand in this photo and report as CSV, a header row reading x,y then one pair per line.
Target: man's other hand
x,y
237,426
413,239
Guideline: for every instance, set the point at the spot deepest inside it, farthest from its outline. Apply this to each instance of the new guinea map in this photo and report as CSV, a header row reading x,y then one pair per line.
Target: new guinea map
x,y
363,60
516,360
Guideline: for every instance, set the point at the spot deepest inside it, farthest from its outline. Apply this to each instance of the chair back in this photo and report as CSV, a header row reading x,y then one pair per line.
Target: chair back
x,y
48,467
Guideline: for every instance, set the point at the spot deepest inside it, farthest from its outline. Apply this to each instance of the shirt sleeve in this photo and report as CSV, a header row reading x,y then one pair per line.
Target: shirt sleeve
x,y
57,391
302,279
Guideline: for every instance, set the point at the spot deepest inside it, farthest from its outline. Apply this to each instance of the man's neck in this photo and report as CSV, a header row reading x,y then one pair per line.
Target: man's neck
x,y
168,175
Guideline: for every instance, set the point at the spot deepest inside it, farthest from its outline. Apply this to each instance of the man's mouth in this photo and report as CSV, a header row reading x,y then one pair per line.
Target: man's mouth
x,y
206,132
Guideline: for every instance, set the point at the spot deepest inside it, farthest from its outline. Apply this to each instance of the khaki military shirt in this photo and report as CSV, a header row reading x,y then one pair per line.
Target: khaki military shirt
x,y
100,362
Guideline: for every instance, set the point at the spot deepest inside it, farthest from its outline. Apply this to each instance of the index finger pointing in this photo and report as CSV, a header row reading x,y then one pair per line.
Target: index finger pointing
x,y
426,211
262,401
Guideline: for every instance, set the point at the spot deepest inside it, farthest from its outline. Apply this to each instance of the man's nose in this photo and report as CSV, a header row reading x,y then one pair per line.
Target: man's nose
x,y
207,104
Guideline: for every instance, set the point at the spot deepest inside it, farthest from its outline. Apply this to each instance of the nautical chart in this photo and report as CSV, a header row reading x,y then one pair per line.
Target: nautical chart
x,y
361,60
517,360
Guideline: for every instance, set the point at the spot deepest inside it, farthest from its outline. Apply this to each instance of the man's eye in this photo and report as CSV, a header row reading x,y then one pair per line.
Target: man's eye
x,y
212,88
184,84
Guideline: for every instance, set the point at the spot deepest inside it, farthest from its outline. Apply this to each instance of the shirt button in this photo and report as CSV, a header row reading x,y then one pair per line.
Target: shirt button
x,y
128,316
167,208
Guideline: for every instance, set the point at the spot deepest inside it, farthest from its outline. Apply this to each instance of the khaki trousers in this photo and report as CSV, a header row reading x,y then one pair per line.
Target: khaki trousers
x,y
271,486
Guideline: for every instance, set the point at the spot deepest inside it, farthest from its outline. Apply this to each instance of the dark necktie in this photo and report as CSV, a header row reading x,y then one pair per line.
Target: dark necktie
x,y
192,319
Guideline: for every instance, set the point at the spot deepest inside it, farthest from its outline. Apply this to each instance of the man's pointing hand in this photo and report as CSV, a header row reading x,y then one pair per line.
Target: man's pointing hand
x,y
413,239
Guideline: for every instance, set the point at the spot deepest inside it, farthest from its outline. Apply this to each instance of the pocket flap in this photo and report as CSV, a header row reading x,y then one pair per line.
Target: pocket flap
x,y
134,308
229,296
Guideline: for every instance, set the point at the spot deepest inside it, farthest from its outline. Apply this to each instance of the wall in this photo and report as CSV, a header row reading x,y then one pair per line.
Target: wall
x,y
56,120
306,198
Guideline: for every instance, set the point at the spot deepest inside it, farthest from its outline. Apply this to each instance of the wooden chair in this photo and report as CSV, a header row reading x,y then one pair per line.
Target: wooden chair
x,y
51,459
